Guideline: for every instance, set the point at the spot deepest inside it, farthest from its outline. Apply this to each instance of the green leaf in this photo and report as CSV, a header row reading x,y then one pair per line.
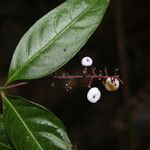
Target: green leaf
x,y
55,38
32,127
4,141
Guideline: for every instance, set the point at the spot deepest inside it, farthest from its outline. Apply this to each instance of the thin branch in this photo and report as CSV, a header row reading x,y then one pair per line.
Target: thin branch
x,y
83,76
13,86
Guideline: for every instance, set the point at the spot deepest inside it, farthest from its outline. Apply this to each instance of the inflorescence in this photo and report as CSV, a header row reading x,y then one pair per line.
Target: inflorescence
x,y
111,83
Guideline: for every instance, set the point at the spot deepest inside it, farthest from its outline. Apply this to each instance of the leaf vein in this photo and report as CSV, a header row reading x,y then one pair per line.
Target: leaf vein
x,y
5,145
20,118
49,43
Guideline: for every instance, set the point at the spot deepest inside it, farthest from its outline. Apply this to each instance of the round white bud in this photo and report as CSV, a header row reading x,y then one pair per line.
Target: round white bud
x,y
112,84
86,61
94,95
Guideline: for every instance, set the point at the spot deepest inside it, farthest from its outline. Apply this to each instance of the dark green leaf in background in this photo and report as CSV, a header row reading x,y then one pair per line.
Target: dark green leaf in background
x,y
4,141
32,127
56,38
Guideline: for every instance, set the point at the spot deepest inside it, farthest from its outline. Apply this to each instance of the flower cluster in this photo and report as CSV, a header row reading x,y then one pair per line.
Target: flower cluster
x,y
111,83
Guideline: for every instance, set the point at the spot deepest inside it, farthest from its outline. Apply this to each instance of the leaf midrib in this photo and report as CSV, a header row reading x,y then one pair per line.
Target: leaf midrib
x,y
27,128
5,145
49,43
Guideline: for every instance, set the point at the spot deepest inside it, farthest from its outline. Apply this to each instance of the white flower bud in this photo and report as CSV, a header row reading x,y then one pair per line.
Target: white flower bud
x,y
93,95
86,61
112,84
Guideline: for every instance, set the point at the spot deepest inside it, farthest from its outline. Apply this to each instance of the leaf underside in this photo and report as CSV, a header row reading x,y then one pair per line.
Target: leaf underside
x,y
53,40
32,127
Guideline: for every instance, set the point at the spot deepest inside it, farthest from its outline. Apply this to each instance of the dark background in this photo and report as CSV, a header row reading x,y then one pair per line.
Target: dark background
x,y
120,120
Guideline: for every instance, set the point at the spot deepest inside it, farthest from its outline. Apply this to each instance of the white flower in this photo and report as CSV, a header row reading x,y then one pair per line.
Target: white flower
x,y
93,95
86,61
112,84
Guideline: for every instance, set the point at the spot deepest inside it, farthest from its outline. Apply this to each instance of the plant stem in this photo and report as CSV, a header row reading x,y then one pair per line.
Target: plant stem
x,y
61,77
13,86
82,76
71,77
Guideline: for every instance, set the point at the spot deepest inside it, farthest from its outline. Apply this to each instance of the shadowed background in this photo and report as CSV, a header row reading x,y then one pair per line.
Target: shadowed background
x,y
120,120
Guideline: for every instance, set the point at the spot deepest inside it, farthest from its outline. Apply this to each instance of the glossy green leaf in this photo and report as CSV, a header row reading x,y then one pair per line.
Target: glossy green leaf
x,y
4,141
32,127
55,38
